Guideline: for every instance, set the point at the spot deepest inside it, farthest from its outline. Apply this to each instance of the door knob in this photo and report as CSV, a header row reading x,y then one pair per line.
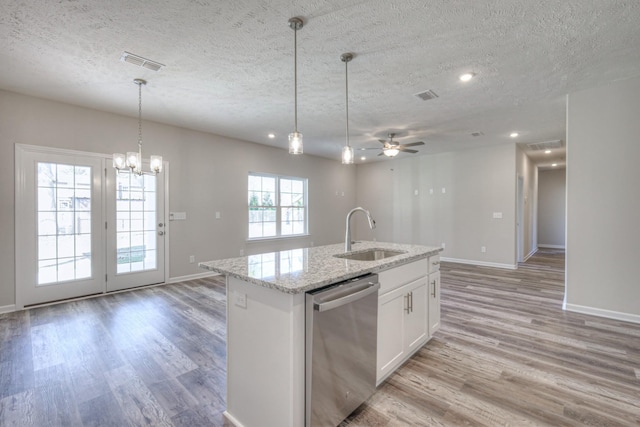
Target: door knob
x,y
160,233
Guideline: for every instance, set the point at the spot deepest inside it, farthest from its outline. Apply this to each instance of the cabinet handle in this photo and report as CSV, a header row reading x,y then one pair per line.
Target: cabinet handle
x,y
434,288
411,299
435,263
406,305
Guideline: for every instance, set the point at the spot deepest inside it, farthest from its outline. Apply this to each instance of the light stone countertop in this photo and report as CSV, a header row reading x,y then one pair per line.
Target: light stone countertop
x,y
302,270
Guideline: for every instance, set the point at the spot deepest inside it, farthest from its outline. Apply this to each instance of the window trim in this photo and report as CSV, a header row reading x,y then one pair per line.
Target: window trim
x,y
278,207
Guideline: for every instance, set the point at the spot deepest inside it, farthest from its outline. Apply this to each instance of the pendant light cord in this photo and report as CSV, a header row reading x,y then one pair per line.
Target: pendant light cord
x,y
140,117
295,76
346,84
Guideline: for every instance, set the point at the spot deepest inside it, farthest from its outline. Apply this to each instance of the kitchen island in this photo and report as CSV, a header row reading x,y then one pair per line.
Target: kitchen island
x,y
266,320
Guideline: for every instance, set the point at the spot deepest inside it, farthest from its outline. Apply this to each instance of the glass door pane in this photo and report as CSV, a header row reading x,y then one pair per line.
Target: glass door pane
x,y
64,222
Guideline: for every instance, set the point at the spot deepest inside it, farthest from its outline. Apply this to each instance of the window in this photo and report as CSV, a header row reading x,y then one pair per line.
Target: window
x,y
277,206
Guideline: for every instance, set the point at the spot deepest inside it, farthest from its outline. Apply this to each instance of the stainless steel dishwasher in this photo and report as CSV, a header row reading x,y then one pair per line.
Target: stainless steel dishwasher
x,y
341,340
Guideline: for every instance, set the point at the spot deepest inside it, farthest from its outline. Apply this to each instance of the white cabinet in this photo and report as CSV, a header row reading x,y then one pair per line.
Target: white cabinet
x,y
434,294
402,325
434,302
403,322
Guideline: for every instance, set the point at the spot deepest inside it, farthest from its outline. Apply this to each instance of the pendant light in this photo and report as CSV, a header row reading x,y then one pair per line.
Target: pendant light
x,y
295,138
133,160
347,151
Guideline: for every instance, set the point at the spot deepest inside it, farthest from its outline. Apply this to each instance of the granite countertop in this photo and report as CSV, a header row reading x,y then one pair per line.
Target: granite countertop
x,y
301,270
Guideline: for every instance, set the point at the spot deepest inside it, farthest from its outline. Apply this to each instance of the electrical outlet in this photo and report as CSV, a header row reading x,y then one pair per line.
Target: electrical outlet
x,y
483,249
192,259
241,252
443,245
431,191
218,216
444,190
415,192
241,300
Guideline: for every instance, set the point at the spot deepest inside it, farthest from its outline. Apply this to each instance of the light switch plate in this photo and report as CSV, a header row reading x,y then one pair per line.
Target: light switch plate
x,y
177,216
241,300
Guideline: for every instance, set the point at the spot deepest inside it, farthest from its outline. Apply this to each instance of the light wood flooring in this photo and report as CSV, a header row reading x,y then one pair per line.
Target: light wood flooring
x,y
506,354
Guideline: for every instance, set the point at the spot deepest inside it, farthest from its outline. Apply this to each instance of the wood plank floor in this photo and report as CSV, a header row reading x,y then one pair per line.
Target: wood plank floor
x,y
506,355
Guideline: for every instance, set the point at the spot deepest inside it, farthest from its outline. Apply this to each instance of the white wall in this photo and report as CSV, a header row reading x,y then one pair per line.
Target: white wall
x,y
526,169
208,173
603,207
477,183
551,208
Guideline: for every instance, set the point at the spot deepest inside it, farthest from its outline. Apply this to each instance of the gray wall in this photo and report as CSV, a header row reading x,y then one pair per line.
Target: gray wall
x,y
603,235
528,171
477,183
208,173
551,208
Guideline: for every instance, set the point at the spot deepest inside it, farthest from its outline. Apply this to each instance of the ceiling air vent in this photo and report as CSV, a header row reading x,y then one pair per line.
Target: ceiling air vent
x,y
140,61
427,95
547,145
477,134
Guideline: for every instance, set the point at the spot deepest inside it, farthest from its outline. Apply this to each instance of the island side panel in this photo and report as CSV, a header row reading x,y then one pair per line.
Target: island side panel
x,y
265,356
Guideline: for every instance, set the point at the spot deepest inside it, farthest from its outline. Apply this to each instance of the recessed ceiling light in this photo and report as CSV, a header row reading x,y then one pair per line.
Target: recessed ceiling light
x,y
466,77
514,134
271,135
554,164
547,151
363,158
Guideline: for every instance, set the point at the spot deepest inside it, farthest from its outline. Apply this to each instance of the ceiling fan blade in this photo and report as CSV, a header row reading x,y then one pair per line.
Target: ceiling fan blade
x,y
406,150
413,144
382,141
381,154
370,148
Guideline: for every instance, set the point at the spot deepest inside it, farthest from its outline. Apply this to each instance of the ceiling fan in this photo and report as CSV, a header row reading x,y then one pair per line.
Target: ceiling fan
x,y
391,148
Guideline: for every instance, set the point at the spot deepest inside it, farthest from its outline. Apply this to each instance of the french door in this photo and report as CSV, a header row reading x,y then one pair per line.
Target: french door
x,y
81,229
135,229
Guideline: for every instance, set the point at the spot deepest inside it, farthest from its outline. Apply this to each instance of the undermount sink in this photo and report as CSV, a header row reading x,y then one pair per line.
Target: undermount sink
x,y
369,255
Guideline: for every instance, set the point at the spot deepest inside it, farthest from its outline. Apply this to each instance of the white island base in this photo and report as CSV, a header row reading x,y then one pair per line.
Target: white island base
x,y
265,356
266,321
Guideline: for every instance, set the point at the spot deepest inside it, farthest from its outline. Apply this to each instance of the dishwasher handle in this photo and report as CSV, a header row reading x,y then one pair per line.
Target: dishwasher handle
x,y
359,292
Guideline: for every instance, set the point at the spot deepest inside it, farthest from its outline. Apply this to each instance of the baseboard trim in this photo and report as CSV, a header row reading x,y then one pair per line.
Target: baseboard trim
x,y
231,419
480,263
192,277
532,253
552,246
7,308
615,315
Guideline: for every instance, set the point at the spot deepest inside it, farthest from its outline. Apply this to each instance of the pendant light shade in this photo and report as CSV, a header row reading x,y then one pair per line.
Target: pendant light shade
x,y
347,151
295,137
133,159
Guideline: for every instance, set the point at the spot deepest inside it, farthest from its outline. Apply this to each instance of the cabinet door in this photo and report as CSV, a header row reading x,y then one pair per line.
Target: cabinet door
x,y
391,312
434,302
416,320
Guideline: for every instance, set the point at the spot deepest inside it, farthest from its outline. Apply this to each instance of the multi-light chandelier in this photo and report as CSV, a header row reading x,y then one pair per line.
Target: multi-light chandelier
x,y
133,160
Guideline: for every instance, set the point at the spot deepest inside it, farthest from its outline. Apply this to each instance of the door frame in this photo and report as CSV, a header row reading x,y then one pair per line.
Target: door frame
x,y
21,224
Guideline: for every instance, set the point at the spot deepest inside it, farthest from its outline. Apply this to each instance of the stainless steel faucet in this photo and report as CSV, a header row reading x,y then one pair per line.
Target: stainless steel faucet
x,y
347,237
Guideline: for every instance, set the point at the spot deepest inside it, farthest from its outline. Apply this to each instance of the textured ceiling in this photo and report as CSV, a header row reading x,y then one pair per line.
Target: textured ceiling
x,y
229,64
